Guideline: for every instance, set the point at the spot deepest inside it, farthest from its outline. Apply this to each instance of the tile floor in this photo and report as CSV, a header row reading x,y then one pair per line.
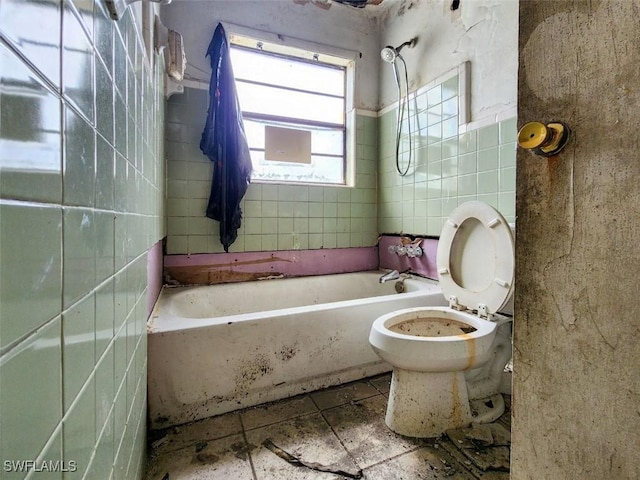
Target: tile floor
x,y
342,427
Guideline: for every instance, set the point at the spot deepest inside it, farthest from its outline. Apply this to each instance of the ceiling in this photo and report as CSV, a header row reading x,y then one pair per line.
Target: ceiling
x,y
327,3
359,3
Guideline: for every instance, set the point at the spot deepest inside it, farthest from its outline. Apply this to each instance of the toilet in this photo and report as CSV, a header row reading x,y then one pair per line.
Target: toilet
x,y
448,361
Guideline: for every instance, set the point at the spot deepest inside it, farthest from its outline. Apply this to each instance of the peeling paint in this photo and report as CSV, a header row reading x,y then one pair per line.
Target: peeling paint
x,y
455,14
204,275
208,269
482,32
324,5
325,23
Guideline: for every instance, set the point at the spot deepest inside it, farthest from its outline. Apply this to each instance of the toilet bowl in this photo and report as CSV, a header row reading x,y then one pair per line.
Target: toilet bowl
x,y
448,361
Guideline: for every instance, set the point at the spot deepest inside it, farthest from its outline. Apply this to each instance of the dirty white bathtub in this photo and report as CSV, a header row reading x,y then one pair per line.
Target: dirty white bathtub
x,y
213,349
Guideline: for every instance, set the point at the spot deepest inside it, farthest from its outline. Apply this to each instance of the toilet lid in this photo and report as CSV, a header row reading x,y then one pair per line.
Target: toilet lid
x,y
476,257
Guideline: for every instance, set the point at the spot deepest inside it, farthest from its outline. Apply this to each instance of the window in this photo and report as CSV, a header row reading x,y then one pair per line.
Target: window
x,y
294,107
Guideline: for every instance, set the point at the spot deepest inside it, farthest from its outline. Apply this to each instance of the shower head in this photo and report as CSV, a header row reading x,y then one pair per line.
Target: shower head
x,y
389,53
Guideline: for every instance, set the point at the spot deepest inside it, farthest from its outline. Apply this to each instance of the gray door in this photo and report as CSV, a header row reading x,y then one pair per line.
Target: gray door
x,y
576,403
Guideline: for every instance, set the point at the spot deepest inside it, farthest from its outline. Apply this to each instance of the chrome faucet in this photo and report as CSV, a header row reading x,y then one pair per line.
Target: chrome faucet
x,y
392,275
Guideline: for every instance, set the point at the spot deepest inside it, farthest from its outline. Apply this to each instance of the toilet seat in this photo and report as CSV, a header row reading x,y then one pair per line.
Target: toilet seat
x,y
475,259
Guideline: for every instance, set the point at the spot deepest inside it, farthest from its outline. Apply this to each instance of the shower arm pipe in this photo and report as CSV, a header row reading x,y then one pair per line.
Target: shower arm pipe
x,y
389,53
409,43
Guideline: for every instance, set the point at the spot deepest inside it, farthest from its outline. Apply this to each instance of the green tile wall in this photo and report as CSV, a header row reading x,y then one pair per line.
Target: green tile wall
x,y
275,217
81,202
448,167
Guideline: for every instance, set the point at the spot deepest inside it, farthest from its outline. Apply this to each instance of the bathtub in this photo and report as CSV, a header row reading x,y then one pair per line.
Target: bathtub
x,y
214,349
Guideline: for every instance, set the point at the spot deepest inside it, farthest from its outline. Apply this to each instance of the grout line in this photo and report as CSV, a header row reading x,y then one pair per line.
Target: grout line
x,y
302,415
386,460
263,406
380,377
315,403
14,345
351,457
246,441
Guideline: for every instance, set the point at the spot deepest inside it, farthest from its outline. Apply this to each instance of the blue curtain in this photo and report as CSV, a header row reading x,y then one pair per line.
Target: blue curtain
x,y
224,142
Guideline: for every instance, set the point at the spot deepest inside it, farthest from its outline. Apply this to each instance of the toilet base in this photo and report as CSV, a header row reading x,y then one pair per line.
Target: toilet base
x,y
426,404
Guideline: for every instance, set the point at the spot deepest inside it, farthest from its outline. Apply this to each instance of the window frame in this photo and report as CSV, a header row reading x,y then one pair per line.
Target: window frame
x,y
289,48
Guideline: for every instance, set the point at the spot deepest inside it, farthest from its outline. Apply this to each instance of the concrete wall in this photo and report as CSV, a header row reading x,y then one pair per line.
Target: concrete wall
x,y
577,330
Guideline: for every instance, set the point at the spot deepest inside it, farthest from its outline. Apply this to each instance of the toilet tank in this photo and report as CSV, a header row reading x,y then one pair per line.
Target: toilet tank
x,y
508,308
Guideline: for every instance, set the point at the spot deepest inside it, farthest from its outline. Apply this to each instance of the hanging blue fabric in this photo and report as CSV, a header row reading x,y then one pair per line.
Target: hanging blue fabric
x,y
224,142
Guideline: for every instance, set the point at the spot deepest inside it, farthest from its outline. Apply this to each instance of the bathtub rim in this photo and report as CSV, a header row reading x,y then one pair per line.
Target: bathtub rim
x,y
191,323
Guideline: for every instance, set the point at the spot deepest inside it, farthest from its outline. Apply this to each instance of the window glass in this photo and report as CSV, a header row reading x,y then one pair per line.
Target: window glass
x,y
297,93
287,72
321,170
289,103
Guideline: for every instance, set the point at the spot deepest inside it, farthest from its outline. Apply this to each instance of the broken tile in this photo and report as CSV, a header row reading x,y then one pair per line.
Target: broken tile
x,y
277,412
425,463
505,422
361,428
479,434
485,446
333,397
491,458
487,435
223,458
309,438
334,436
495,475
501,435
460,458
459,439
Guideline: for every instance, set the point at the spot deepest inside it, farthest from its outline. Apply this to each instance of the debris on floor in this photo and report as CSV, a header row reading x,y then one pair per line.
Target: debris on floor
x,y
480,435
293,460
486,446
201,446
339,431
447,470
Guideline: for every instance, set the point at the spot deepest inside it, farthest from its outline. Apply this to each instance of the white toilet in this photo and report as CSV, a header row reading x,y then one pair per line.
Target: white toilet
x,y
448,361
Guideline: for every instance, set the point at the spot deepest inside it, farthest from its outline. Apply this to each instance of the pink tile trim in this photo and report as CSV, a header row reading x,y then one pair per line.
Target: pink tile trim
x,y
292,263
154,275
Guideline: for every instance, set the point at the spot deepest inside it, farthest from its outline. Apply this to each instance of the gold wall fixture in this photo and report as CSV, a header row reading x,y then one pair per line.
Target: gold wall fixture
x,y
544,140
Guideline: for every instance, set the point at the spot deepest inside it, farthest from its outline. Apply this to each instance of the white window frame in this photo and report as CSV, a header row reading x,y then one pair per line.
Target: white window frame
x,y
283,45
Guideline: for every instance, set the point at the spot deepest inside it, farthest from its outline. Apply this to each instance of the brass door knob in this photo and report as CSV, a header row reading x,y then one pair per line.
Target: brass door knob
x,y
545,140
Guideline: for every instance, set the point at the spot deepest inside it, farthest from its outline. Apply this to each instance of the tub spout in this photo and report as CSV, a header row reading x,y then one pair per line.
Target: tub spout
x,y
392,275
